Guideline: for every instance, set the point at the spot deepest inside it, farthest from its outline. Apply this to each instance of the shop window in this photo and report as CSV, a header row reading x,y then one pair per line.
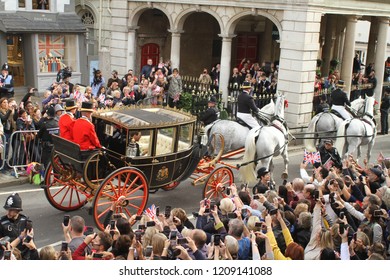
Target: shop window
x,y
41,5
57,52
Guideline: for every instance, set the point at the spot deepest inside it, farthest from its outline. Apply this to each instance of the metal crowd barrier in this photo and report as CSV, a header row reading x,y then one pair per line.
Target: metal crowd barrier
x,y
23,149
3,143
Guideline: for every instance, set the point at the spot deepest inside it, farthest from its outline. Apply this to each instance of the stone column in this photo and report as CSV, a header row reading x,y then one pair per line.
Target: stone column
x,y
299,45
348,53
266,45
131,48
380,56
226,57
372,41
175,48
327,50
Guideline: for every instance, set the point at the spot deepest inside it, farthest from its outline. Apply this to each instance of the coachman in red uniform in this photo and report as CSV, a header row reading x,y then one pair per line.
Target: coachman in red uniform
x,y
66,121
84,132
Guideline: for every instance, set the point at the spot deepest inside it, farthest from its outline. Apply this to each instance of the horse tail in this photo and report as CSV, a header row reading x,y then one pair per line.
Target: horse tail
x,y
310,141
340,139
248,171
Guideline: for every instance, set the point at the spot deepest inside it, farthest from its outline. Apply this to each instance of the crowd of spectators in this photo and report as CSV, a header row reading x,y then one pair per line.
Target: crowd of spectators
x,y
336,214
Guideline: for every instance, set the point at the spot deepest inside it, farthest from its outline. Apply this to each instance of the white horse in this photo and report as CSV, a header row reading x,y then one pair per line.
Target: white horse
x,y
234,134
272,140
352,134
325,125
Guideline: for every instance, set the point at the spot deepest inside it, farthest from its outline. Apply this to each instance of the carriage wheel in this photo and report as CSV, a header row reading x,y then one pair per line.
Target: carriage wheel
x,y
171,186
129,182
63,194
217,183
55,161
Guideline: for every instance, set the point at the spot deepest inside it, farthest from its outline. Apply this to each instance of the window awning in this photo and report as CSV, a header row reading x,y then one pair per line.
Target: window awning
x,y
38,22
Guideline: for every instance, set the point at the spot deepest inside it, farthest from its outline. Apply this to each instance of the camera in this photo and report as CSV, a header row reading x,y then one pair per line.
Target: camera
x,y
63,74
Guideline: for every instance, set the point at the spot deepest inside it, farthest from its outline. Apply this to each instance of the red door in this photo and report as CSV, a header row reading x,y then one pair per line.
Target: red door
x,y
246,48
151,51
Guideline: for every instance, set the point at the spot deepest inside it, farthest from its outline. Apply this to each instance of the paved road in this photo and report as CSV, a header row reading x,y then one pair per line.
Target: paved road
x,y
47,220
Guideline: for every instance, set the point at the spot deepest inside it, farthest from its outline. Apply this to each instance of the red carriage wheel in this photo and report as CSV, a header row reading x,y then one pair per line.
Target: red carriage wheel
x,y
218,182
171,186
63,191
127,182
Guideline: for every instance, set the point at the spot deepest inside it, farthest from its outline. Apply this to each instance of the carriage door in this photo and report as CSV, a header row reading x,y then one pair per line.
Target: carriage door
x,y
151,51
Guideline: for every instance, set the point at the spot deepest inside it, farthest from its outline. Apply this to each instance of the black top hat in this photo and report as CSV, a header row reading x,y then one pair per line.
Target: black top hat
x,y
70,104
246,85
13,202
261,172
50,111
5,67
86,107
213,99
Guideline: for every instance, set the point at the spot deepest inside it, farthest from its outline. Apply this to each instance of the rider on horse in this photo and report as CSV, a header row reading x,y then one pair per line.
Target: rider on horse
x,y
211,114
339,100
246,105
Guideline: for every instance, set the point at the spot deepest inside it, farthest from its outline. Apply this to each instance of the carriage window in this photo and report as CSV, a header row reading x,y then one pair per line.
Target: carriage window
x,y
185,137
165,141
145,143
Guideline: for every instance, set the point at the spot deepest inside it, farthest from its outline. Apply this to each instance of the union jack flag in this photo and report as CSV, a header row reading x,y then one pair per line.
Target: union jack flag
x,y
151,212
312,157
53,44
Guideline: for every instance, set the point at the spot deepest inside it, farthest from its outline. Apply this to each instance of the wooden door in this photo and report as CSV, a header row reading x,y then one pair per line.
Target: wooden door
x,y
247,45
151,51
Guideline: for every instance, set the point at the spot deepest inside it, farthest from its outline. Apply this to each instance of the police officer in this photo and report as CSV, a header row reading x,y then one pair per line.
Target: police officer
x,y
246,106
48,126
329,153
13,224
6,82
384,108
212,113
339,99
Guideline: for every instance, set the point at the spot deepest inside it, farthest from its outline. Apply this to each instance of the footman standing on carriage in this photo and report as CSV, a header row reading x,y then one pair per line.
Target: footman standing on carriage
x,y
339,99
211,114
84,132
66,121
247,106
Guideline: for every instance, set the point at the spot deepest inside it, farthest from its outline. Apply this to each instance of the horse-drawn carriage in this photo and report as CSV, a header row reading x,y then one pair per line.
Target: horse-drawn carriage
x,y
165,155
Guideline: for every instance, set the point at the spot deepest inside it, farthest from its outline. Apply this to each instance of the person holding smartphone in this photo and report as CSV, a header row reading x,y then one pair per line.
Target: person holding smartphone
x,y
13,223
100,243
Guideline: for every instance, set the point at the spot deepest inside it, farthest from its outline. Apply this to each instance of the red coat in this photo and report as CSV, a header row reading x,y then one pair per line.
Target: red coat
x,y
84,134
66,123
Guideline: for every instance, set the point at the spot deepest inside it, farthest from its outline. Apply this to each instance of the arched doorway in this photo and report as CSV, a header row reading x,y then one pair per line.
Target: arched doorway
x,y
150,51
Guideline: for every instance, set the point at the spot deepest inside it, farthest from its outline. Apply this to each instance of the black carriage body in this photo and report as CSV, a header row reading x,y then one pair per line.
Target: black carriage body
x,y
166,145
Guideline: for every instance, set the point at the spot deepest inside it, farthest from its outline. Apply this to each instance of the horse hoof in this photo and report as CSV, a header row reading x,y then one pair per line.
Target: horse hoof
x,y
284,175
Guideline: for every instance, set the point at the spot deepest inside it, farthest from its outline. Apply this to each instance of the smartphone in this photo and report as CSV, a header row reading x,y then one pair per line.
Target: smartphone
x,y
331,198
64,246
148,251
138,235
66,220
217,239
273,211
232,215
141,227
378,213
112,224
27,239
316,194
182,241
117,216
256,196
28,225
212,205
138,217
195,214
7,255
150,224
243,212
176,252
341,228
157,211
342,215
97,255
88,230
173,235
167,211
258,224
355,236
